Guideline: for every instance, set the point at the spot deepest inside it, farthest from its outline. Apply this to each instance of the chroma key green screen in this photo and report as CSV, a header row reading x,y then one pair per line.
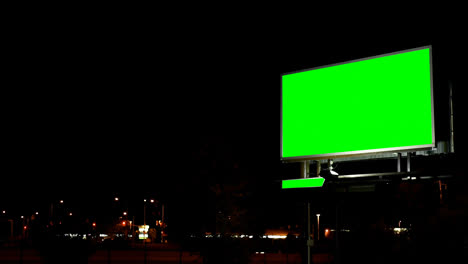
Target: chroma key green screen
x,y
376,104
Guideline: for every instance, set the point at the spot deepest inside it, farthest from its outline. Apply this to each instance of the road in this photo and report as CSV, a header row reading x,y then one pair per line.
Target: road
x,y
137,256
30,256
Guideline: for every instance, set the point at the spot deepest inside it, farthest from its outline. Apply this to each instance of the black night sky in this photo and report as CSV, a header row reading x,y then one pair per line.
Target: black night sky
x,y
92,112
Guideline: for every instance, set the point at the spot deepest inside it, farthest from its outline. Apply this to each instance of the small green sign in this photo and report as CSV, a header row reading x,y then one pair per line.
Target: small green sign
x,y
303,183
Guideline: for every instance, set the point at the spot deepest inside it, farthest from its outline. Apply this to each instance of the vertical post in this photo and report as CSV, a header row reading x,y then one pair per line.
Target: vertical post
x,y
11,228
305,169
163,223
108,254
51,213
337,232
319,168
305,174
408,162
452,144
145,233
399,162
133,231
308,232
318,227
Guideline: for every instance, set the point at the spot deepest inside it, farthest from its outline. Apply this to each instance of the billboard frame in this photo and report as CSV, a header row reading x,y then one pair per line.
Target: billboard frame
x,y
370,151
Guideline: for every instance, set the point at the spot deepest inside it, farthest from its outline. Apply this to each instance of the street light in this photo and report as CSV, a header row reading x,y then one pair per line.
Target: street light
x,y
61,201
116,199
124,213
318,226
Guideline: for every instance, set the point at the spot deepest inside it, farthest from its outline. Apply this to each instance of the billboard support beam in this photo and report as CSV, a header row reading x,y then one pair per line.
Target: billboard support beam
x,y
399,162
305,174
319,168
408,162
452,144
305,169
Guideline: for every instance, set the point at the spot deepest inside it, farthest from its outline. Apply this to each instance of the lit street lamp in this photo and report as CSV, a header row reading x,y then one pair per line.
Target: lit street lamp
x,y
318,226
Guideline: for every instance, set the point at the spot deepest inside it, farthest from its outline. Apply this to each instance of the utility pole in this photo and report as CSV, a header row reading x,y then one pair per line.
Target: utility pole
x,y
162,224
452,143
144,231
318,226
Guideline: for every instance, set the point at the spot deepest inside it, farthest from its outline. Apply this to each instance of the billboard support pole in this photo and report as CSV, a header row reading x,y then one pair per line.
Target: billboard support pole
x,y
305,174
399,162
408,162
452,144
319,168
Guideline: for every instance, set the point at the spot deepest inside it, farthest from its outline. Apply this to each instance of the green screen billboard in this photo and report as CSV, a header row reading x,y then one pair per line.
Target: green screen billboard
x,y
376,104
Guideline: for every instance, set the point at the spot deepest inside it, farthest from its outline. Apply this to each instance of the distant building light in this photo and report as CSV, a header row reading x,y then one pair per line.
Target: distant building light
x,y
61,201
277,236
4,211
142,236
250,236
22,217
261,252
398,230
116,198
102,235
37,213
143,228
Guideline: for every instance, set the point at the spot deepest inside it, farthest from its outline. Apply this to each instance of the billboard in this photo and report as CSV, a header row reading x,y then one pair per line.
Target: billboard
x,y
376,104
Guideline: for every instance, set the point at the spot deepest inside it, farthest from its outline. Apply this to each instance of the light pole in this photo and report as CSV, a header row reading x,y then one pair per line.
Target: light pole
x,y
318,226
145,235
